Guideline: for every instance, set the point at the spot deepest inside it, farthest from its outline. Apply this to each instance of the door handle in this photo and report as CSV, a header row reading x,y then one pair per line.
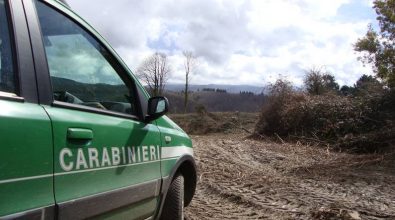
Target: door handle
x,y
79,134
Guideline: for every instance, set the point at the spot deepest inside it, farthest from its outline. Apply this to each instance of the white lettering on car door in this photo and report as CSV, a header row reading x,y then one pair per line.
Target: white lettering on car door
x,y
145,153
132,154
93,157
105,158
123,155
152,152
63,152
80,160
116,158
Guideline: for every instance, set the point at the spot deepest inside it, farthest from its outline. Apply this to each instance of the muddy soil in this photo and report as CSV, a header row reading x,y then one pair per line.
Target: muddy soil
x,y
240,178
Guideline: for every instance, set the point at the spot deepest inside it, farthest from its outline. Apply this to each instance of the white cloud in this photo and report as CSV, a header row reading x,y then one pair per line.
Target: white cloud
x,y
238,42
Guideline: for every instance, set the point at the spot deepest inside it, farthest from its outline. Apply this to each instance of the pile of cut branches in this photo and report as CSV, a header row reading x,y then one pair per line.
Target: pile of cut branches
x,y
358,124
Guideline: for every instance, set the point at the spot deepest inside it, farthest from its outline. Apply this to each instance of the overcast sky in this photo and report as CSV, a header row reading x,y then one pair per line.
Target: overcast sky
x,y
237,42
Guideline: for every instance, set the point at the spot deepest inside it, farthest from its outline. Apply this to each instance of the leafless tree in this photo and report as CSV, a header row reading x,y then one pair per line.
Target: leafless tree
x,y
154,71
189,65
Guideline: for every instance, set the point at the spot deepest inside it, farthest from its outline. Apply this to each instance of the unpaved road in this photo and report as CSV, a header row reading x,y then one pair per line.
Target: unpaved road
x,y
241,178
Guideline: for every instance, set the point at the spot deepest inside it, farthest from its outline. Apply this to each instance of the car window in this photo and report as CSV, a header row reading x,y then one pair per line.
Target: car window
x,y
82,71
7,74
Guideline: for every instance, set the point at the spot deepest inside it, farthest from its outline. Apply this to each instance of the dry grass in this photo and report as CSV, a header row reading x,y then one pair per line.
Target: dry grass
x,y
216,122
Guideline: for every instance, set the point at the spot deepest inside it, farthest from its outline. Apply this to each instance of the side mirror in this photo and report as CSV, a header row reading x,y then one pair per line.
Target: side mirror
x,y
157,106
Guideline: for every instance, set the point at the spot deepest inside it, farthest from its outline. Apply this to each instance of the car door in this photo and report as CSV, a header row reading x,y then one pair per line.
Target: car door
x,y
107,161
26,153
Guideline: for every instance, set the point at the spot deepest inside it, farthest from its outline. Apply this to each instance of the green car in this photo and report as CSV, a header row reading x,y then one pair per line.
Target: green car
x,y
79,136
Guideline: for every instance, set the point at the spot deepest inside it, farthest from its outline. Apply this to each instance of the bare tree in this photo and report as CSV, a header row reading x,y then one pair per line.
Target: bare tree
x,y
154,71
189,65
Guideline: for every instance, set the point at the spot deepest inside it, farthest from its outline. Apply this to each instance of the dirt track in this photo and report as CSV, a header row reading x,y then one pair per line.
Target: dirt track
x,y
241,178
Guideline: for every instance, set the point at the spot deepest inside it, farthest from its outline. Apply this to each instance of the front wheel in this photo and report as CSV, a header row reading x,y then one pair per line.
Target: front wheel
x,y
173,209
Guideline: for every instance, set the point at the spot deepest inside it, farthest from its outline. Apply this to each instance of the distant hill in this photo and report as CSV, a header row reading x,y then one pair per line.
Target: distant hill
x,y
216,101
228,88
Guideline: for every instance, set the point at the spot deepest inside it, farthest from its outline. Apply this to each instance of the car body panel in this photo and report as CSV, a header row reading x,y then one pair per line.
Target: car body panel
x,y
176,144
26,158
123,152
47,149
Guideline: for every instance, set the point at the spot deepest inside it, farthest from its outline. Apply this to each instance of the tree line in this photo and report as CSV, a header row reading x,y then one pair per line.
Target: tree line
x,y
376,48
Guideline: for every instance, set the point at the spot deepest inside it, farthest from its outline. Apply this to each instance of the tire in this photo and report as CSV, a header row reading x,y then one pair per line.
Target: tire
x,y
173,209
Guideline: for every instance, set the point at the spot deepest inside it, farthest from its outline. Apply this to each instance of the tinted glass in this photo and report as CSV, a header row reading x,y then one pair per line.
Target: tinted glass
x,y
7,75
81,69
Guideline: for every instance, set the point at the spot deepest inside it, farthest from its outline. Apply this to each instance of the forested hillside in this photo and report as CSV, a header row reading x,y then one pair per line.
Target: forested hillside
x,y
216,101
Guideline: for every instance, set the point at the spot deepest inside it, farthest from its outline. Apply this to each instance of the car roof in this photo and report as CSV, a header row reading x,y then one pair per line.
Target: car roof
x,y
64,2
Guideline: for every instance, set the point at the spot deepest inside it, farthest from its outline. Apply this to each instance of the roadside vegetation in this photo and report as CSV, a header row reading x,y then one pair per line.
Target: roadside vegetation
x,y
360,118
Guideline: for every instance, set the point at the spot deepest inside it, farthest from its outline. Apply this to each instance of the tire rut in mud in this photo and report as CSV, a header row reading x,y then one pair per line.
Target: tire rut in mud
x,y
245,179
